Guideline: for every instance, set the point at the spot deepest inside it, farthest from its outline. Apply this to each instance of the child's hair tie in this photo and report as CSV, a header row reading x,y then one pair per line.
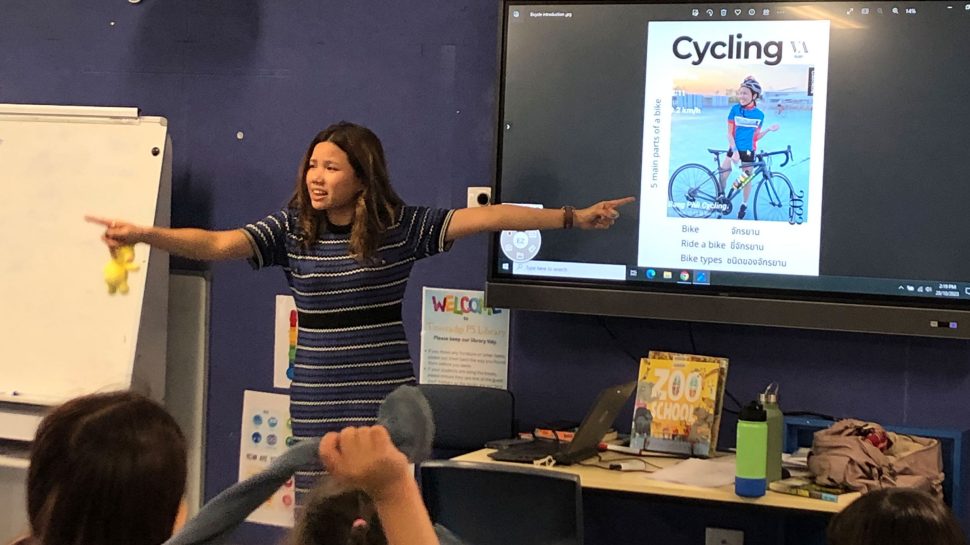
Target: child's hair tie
x,y
359,523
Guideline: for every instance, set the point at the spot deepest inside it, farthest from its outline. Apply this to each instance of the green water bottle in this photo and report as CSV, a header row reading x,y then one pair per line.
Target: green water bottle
x,y
776,432
749,473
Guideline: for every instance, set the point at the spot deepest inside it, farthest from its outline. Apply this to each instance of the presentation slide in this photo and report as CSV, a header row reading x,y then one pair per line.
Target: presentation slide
x,y
709,197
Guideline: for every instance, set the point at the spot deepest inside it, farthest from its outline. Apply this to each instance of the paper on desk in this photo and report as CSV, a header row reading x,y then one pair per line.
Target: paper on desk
x,y
797,459
710,473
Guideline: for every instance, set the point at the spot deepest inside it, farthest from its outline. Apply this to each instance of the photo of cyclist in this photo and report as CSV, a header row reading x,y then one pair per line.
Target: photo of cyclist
x,y
745,127
773,183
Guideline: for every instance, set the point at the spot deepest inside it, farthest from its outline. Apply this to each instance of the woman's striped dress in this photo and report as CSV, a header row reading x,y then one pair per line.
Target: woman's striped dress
x,y
351,351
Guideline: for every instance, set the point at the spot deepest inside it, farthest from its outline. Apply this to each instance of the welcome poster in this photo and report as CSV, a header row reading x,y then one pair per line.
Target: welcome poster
x,y
462,340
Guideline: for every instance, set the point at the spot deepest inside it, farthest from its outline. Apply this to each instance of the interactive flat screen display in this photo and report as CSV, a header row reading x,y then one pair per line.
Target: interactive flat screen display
x,y
787,152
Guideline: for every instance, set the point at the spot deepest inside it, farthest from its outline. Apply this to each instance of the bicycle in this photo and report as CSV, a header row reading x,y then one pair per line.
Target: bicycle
x,y
695,191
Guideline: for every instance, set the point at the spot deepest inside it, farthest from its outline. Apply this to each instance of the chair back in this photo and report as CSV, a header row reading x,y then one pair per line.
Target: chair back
x,y
499,504
466,417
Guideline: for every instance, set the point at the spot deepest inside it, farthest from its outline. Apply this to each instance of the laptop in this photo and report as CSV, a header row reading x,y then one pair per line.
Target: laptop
x,y
585,443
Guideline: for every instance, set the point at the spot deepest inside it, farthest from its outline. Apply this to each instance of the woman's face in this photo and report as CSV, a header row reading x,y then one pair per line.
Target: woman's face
x,y
745,96
332,183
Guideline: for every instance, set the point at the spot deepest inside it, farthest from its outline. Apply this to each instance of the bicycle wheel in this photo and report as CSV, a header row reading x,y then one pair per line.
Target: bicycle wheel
x,y
774,199
693,191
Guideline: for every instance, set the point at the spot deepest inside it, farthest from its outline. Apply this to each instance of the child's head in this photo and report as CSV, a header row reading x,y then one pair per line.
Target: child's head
x,y
106,469
344,518
749,91
895,516
374,202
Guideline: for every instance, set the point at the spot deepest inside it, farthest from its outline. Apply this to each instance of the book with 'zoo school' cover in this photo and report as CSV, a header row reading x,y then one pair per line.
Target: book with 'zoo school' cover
x,y
677,408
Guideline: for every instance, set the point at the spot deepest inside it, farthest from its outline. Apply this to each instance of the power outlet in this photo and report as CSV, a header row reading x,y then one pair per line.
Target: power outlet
x,y
479,196
721,536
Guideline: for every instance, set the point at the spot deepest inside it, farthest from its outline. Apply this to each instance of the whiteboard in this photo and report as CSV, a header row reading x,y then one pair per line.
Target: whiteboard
x,y
62,334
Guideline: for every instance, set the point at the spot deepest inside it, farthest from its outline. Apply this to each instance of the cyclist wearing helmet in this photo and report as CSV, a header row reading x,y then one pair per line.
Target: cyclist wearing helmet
x,y
745,123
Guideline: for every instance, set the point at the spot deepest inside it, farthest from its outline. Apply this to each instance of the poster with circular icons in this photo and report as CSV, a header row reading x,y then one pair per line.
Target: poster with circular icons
x,y
265,433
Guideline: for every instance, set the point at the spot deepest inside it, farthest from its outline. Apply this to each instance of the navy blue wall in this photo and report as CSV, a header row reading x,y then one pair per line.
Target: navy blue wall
x,y
422,75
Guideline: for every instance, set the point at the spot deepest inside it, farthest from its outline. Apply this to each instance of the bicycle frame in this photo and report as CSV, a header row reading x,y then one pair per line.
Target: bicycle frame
x,y
760,166
700,192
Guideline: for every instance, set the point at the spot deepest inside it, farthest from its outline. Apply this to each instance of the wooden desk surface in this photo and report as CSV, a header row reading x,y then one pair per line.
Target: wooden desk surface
x,y
641,483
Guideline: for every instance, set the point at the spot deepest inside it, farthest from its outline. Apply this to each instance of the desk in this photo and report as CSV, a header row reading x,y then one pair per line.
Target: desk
x,y
641,483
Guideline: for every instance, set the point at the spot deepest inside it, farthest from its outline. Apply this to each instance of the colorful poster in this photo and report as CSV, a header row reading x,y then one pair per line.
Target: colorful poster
x,y
265,433
284,345
462,340
734,125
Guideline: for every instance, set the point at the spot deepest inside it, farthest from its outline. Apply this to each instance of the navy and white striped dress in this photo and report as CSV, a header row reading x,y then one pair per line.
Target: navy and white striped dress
x,y
351,351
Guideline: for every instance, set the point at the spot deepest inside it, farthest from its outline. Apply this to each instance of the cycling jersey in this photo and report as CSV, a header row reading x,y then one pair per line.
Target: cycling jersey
x,y
744,124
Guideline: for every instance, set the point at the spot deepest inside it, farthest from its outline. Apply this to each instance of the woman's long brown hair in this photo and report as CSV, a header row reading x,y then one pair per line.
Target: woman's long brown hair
x,y
377,204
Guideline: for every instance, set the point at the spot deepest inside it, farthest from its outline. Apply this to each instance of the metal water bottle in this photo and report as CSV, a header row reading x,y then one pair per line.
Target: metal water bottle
x,y
749,474
776,432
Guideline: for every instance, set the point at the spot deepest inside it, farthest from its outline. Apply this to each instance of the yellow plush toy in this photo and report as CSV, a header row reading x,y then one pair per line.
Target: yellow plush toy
x,y
116,271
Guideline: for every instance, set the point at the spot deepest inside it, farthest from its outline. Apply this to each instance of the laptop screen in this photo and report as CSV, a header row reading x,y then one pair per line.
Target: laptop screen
x,y
600,417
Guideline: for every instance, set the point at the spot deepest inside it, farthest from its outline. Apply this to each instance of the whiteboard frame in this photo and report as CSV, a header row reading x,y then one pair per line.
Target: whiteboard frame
x,y
20,412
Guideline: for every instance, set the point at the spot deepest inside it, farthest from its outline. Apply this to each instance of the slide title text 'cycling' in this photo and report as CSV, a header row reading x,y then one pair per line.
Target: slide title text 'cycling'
x,y
733,48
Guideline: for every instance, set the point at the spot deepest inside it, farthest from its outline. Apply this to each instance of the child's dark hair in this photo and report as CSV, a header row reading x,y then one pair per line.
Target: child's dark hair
x,y
345,518
895,516
106,469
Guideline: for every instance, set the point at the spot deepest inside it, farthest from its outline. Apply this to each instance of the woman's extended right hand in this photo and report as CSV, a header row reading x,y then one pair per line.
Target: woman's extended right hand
x,y
118,233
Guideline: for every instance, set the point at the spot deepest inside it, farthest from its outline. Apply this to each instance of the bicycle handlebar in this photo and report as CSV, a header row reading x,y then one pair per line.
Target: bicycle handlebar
x,y
788,156
786,152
